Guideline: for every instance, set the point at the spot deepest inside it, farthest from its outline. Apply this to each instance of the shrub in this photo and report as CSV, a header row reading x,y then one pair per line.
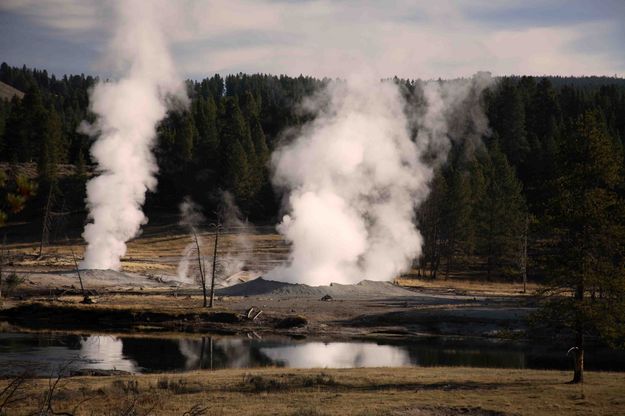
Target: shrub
x,y
11,282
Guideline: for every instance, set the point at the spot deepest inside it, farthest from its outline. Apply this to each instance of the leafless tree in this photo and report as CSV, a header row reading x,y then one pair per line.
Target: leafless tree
x,y
201,274
217,227
11,393
46,408
85,298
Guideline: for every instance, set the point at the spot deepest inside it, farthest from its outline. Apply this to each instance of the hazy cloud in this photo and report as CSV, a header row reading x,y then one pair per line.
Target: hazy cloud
x,y
330,38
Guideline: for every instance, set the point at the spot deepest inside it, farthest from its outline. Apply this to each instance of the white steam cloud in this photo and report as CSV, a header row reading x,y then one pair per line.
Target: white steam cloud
x,y
235,248
190,218
355,174
128,111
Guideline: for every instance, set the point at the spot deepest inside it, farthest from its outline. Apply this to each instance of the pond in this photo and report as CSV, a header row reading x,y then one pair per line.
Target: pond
x,y
42,353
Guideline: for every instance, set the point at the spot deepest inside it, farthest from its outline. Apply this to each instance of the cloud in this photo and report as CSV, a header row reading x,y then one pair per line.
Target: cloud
x,y
63,15
406,38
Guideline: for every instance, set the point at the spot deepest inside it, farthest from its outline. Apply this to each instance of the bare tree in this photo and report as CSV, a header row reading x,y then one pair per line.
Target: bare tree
x,y
46,407
85,298
201,276
217,227
11,393
524,254
45,227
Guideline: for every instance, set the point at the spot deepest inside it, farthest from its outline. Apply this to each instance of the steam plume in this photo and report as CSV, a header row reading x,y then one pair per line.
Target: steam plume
x,y
354,175
190,218
238,255
235,251
127,111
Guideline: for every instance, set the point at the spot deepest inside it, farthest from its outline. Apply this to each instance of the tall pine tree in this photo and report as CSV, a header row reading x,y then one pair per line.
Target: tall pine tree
x,y
587,214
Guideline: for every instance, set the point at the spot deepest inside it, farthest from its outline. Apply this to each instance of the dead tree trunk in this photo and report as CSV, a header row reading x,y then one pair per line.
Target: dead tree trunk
x,y
578,350
578,361
524,255
45,227
201,267
214,264
85,298
451,246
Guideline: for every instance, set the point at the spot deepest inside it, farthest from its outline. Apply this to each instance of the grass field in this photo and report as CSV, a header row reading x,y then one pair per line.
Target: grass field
x,y
477,287
394,391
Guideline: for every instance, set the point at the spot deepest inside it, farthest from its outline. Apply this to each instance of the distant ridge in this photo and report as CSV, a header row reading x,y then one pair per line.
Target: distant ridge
x,y
7,92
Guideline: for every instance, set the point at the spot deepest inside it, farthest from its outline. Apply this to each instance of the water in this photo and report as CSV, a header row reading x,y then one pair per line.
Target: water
x,y
44,352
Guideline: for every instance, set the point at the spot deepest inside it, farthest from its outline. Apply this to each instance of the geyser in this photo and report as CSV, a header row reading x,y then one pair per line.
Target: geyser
x,y
354,175
127,112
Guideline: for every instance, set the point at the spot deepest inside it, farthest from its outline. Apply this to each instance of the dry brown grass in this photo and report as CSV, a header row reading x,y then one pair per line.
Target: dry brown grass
x,y
159,253
165,304
152,254
470,286
398,391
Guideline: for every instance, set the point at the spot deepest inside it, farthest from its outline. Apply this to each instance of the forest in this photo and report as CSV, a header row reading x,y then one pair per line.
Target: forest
x,y
553,159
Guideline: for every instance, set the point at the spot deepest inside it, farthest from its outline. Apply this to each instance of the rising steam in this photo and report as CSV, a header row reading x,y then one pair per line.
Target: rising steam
x,y
235,250
354,175
190,217
127,112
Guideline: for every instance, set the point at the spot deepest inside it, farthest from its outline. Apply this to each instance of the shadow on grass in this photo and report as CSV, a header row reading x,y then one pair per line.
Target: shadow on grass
x,y
261,383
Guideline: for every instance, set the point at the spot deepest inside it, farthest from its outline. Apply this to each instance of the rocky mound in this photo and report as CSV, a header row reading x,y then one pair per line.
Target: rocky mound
x,y
366,288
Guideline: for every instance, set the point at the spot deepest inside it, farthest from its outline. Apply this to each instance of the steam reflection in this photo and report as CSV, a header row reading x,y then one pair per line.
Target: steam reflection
x,y
338,355
105,352
42,353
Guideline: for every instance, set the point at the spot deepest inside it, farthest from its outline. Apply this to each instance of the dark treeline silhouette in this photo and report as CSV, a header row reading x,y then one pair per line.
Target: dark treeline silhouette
x,y
222,141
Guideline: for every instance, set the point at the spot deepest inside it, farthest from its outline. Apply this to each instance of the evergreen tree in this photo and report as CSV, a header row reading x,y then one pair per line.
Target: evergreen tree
x,y
15,138
456,212
185,137
258,152
500,214
15,191
5,110
205,117
33,127
430,223
588,218
233,167
508,121
50,147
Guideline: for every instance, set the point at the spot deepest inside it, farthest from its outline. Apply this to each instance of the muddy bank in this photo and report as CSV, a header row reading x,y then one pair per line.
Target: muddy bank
x,y
337,319
477,321
39,315
367,309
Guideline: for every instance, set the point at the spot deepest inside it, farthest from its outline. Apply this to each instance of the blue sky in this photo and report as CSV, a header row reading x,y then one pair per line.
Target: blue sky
x,y
416,39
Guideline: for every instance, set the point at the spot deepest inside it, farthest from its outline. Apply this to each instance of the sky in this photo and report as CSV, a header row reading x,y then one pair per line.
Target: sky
x,y
410,39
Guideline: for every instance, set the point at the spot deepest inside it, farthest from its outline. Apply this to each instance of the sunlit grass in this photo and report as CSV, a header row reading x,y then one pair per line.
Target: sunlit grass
x,y
377,391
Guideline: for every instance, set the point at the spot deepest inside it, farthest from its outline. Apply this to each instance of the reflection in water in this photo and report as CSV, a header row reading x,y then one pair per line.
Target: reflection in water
x,y
210,353
338,355
104,352
43,352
